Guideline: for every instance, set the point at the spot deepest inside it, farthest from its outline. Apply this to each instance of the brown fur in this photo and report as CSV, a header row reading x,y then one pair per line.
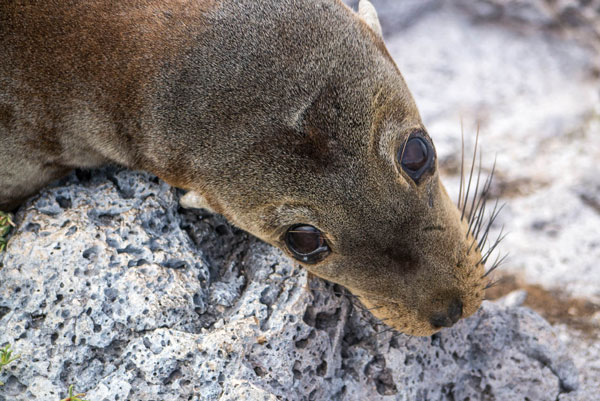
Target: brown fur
x,y
276,112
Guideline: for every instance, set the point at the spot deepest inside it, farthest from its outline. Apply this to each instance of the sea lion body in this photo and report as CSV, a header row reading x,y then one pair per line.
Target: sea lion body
x,y
272,113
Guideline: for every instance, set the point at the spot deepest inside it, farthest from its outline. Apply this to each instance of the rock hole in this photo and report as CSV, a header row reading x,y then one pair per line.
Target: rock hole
x,y
32,227
13,387
296,370
385,384
309,316
176,374
322,369
64,202
325,320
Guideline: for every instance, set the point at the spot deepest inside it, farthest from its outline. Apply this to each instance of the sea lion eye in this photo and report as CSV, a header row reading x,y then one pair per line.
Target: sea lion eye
x,y
306,243
415,157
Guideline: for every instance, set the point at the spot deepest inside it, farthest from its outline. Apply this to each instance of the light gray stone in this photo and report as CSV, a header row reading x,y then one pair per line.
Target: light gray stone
x,y
123,294
580,19
538,12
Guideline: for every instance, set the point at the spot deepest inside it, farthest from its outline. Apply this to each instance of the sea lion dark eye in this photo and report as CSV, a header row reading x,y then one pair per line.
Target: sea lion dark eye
x,y
415,157
306,243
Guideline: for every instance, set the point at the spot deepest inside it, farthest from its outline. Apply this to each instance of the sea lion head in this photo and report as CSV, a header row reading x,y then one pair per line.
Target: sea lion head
x,y
351,190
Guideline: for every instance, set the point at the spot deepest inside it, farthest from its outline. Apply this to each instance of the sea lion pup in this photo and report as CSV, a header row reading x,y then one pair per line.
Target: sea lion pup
x,y
288,117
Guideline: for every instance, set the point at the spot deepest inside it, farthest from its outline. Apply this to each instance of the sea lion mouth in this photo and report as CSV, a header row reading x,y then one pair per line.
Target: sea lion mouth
x,y
398,318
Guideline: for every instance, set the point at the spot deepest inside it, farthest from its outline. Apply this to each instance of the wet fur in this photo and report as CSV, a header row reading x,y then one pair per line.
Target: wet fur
x,y
274,112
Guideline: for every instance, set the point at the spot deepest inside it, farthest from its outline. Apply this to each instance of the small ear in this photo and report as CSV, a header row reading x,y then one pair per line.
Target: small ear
x,y
194,200
367,12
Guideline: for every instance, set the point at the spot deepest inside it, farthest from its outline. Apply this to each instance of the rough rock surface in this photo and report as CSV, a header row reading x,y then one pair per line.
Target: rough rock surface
x,y
107,286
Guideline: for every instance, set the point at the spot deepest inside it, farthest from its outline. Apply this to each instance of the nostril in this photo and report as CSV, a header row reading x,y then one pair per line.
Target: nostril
x,y
440,320
455,310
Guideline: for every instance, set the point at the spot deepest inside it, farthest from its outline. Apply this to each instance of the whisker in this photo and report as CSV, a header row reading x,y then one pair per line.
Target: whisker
x,y
480,217
334,292
483,239
470,176
352,296
491,222
476,193
462,163
477,218
492,284
486,188
494,265
474,221
489,252
384,331
475,215
477,226
497,263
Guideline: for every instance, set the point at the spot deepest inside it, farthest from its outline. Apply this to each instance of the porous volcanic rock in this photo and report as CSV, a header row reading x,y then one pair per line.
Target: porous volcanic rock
x,y
109,286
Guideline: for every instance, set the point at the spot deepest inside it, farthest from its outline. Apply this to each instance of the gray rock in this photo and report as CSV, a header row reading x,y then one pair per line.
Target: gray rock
x,y
538,12
124,295
580,18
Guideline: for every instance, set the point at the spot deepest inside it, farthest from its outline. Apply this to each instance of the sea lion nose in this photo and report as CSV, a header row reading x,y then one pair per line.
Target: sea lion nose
x,y
447,319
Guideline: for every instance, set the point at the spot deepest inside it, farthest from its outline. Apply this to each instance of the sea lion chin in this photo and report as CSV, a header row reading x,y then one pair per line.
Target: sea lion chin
x,y
288,117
